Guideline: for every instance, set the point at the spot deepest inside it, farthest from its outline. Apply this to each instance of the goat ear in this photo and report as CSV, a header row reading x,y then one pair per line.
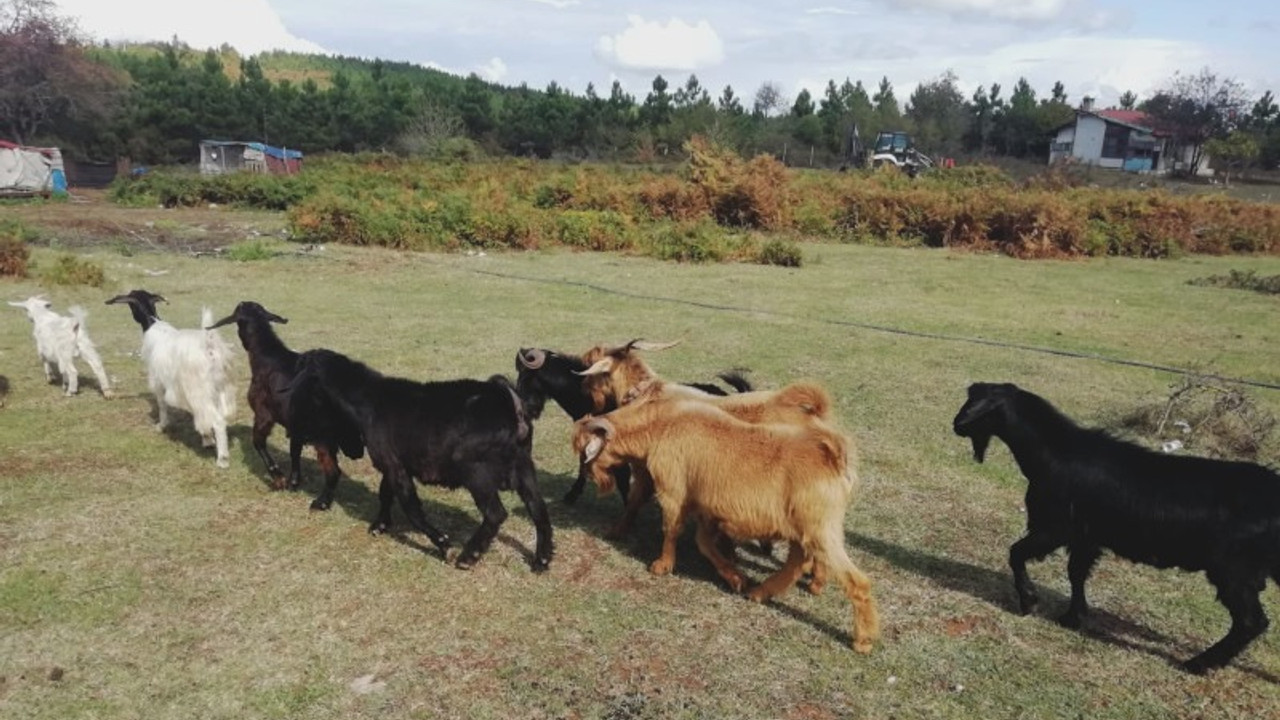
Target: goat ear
x,y
593,448
224,321
277,319
600,368
973,420
14,304
155,297
121,299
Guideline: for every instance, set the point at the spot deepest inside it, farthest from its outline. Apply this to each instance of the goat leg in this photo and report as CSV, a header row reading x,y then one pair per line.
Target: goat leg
x,y
785,577
328,458
386,498
1034,546
261,430
575,492
412,506
1248,621
673,515
708,537
295,463
526,487
484,491
638,493
1080,563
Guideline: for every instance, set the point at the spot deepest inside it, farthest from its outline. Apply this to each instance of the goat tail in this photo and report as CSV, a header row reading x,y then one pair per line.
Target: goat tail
x,y
79,314
809,397
219,354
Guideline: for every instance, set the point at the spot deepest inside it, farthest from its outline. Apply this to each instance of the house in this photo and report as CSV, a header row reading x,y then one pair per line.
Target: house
x,y
224,156
1119,139
30,170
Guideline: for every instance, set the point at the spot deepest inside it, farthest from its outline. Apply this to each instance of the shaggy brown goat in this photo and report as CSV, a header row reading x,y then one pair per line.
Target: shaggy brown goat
x,y
763,482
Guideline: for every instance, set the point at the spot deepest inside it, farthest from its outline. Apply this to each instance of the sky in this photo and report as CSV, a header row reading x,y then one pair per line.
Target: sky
x,y
1099,48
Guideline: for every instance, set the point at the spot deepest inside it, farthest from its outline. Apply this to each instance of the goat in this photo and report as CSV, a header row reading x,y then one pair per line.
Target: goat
x,y
745,481
272,367
458,433
4,389
564,378
186,369
60,340
797,403
1088,491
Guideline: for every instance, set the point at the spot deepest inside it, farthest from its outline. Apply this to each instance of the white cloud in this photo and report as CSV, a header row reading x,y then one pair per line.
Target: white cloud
x,y
493,71
250,26
1021,10
832,10
675,45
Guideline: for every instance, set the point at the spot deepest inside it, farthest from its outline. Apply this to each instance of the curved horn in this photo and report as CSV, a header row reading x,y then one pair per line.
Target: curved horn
x,y
531,358
639,344
601,367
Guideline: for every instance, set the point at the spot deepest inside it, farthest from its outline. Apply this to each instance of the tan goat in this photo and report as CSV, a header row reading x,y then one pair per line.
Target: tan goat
x,y
748,481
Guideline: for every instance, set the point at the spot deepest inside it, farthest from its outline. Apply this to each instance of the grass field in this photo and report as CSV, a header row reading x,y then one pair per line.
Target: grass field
x,y
139,581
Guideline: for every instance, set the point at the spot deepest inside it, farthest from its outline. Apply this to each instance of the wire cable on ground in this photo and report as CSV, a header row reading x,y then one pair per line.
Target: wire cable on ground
x,y
876,328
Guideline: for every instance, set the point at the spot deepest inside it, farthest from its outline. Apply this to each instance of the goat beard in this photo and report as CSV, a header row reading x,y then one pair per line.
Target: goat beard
x,y
980,443
602,480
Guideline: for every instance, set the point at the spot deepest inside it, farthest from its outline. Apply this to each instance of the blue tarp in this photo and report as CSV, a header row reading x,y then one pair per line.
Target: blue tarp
x,y
275,152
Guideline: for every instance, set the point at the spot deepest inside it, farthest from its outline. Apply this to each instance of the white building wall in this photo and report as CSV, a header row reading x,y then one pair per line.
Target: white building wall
x,y
1088,140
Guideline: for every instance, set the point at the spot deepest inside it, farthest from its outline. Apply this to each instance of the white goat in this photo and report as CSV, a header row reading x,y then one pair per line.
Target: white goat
x,y
60,340
186,369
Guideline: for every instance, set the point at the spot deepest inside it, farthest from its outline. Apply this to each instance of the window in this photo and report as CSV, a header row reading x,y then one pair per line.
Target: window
x,y
1115,142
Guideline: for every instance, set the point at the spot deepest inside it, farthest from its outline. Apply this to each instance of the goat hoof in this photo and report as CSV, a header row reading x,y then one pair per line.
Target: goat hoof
x,y
223,463
541,565
571,497
814,587
862,647
108,394
320,504
1070,620
1198,665
661,567
377,528
758,596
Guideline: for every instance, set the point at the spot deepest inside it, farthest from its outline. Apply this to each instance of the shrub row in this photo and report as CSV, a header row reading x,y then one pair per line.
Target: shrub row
x,y
384,200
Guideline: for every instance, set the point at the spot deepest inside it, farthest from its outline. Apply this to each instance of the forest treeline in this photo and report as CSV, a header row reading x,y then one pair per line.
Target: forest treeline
x,y
154,102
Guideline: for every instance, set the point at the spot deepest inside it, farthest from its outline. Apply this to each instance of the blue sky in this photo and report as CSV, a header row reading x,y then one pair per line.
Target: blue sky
x,y
1097,47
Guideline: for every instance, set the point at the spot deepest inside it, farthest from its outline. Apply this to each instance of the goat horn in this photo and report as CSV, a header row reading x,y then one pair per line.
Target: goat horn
x,y
122,298
651,346
532,359
600,368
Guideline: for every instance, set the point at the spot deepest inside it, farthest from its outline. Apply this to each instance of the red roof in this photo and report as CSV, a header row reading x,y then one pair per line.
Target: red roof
x,y
1130,117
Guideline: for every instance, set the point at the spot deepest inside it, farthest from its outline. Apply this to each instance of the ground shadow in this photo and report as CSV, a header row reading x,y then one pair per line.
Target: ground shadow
x,y
995,587
356,498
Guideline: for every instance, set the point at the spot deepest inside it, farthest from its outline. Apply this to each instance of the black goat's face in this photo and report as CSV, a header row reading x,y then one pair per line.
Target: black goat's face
x,y
249,311
142,304
982,415
542,373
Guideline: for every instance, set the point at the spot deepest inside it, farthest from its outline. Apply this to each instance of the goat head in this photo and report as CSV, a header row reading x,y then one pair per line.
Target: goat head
x,y
978,418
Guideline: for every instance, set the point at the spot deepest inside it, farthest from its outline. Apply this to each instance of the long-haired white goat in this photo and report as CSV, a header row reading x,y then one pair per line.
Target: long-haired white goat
x,y
60,340
186,369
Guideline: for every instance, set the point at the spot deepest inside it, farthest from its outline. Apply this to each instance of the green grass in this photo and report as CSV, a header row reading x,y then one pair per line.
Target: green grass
x,y
162,587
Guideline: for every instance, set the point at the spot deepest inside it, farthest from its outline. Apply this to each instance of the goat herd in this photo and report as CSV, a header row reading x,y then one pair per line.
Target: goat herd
x,y
744,466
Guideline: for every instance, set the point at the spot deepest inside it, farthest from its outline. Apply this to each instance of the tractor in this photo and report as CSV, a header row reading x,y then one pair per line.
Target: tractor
x,y
893,148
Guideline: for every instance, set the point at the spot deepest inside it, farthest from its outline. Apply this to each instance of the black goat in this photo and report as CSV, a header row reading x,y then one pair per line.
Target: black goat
x,y
1089,491
544,373
318,423
458,433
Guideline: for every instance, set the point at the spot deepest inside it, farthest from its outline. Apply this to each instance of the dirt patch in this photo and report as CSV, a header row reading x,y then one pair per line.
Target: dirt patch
x,y
89,219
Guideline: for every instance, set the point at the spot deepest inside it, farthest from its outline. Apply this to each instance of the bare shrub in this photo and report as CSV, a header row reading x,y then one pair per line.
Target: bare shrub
x,y
1206,414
